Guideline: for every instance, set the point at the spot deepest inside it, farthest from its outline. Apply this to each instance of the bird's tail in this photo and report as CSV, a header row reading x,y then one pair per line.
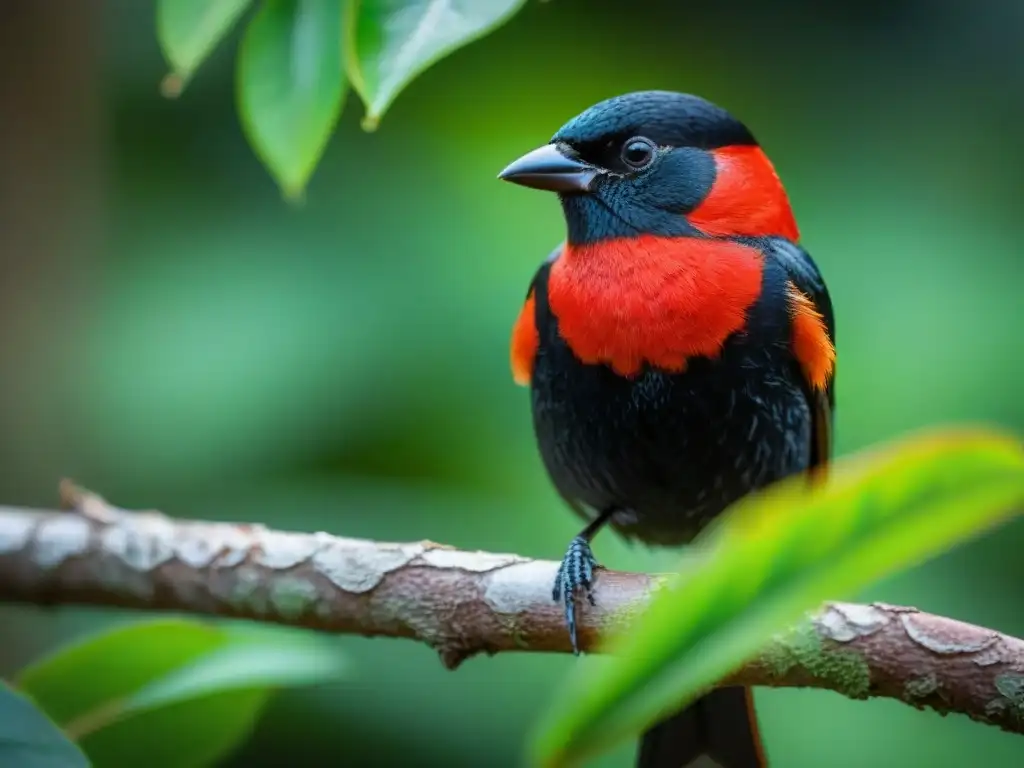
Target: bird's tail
x,y
721,725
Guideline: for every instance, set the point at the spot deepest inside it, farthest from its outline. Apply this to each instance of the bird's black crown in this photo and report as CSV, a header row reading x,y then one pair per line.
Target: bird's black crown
x,y
665,117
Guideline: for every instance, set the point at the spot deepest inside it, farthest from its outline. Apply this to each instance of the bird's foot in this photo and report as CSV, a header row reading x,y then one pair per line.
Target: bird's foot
x,y
575,575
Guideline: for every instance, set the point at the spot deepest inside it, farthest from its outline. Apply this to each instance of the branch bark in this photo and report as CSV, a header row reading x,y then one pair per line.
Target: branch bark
x,y
463,603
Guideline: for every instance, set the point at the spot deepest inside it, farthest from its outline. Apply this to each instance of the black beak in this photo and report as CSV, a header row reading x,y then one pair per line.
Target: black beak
x,y
550,168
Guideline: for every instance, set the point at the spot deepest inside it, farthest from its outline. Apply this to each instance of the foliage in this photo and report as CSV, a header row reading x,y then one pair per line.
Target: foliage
x,y
172,692
966,260
298,57
28,739
291,86
390,42
777,555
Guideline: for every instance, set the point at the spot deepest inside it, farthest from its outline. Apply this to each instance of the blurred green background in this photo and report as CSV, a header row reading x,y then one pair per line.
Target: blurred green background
x,y
173,335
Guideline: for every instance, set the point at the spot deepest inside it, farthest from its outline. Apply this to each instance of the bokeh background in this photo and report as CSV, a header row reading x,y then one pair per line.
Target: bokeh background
x,y
173,335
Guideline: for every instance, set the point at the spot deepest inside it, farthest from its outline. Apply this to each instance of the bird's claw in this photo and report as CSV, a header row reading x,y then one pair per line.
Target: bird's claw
x,y
576,573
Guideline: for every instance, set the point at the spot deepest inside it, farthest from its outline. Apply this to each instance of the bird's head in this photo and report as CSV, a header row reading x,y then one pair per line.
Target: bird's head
x,y
658,163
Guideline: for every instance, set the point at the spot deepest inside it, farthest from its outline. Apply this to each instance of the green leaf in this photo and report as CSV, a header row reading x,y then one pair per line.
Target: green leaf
x,y
188,31
291,86
775,556
129,694
29,740
391,42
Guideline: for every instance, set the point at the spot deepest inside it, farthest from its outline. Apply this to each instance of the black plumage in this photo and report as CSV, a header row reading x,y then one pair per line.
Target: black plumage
x,y
657,455
668,452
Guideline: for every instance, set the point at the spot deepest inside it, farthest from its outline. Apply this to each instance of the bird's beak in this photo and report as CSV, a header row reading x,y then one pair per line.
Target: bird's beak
x,y
551,168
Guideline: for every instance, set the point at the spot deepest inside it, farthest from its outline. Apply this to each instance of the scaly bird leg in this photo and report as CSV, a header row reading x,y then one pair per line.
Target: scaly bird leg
x,y
576,573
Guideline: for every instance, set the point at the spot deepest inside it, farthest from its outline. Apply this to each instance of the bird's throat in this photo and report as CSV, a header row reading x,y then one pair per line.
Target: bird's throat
x,y
660,301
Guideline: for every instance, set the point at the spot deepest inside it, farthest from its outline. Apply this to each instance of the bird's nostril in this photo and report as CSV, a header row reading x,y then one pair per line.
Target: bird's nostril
x,y
568,150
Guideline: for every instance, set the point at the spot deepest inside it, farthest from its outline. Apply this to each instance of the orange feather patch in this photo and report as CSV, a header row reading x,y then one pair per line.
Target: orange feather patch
x,y
524,342
811,343
747,197
655,300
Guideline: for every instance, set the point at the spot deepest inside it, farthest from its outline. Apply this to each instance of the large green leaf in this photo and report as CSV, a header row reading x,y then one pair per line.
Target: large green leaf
x,y
28,739
291,86
774,557
189,30
129,694
390,42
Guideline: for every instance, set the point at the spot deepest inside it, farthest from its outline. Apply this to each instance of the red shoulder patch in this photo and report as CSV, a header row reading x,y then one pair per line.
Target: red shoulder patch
x,y
651,299
812,346
747,198
524,342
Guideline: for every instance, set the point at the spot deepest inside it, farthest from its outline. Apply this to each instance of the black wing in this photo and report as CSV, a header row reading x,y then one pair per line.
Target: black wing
x,y
538,288
807,278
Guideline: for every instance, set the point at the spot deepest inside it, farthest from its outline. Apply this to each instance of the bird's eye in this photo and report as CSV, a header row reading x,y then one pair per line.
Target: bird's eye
x,y
638,152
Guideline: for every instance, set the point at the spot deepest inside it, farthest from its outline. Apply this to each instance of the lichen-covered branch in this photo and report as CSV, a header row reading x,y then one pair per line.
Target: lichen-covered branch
x,y
463,603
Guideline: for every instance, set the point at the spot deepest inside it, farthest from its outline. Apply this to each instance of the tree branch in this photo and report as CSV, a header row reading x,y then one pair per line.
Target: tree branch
x,y
463,603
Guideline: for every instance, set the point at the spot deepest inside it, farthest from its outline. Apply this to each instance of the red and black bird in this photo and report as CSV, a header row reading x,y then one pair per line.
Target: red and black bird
x,y
678,346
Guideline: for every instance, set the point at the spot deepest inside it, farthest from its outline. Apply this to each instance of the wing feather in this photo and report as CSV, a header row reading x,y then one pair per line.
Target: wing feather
x,y
525,339
806,277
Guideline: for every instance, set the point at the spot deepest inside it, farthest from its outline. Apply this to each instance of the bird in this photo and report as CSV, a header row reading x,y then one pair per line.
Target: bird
x,y
679,349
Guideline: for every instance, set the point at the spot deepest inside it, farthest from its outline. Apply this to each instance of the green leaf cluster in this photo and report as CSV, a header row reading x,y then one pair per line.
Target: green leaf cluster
x,y
772,558
168,693
298,59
